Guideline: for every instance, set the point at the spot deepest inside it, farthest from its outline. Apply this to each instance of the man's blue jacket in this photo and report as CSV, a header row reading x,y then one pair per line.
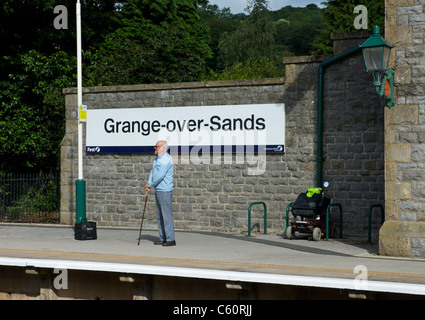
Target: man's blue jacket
x,y
161,176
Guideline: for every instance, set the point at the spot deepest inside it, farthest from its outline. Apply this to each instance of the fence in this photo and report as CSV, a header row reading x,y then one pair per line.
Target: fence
x,y
30,198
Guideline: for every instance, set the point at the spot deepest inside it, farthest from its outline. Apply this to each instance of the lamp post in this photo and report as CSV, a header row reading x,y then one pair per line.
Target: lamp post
x,y
80,183
376,54
84,230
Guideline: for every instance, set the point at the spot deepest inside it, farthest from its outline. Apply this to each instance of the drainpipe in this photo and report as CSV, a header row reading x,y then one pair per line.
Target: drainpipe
x,y
322,66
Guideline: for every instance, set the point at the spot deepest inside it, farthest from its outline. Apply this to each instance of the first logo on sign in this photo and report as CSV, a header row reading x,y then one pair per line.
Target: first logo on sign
x,y
82,113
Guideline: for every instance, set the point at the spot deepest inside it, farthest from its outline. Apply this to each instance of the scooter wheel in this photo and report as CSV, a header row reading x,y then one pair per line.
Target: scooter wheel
x,y
317,234
289,232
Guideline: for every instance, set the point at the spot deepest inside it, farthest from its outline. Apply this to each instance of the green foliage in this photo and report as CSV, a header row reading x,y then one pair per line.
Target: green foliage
x,y
297,28
217,21
339,14
339,17
32,111
253,39
159,41
36,63
30,197
135,41
141,41
28,25
261,40
42,199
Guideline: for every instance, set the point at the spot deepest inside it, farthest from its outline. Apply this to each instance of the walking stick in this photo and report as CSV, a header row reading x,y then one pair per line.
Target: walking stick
x,y
143,217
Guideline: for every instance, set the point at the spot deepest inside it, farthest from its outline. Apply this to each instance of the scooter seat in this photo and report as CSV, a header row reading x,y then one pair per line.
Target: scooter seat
x,y
304,213
306,206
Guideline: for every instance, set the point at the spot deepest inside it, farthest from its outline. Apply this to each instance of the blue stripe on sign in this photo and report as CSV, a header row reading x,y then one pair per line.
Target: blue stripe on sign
x,y
187,149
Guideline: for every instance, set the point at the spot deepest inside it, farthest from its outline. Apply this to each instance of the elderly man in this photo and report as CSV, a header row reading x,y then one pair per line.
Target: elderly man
x,y
161,178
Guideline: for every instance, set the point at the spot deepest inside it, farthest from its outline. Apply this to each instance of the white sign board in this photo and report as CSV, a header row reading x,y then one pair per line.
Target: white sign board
x,y
229,128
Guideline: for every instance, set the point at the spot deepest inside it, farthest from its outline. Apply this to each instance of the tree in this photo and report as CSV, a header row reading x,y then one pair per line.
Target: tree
x,y
157,41
36,63
28,25
218,21
339,17
254,39
32,112
297,28
249,51
124,42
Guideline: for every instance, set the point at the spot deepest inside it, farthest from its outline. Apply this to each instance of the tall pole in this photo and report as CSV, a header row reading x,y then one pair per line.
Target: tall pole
x,y
79,92
80,183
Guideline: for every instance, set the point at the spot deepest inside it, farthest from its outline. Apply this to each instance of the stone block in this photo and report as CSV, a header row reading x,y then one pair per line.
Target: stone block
x,y
398,191
396,238
400,152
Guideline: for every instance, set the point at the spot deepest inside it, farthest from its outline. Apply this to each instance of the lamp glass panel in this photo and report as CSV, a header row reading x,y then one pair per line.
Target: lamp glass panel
x,y
386,57
373,57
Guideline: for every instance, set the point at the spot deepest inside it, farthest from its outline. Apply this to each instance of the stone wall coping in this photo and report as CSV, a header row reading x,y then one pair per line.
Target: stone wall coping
x,y
179,85
305,59
320,58
350,35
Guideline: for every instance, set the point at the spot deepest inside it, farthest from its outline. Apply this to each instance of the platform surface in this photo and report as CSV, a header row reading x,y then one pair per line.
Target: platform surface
x,y
269,254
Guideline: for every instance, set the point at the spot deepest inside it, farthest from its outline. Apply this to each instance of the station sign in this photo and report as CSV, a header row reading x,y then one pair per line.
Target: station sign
x,y
224,128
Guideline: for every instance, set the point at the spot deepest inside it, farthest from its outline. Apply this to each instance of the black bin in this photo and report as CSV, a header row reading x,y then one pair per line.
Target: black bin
x,y
85,231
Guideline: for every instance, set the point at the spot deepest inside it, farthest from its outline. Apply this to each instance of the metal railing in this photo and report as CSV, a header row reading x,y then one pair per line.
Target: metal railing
x,y
31,198
264,216
369,220
340,219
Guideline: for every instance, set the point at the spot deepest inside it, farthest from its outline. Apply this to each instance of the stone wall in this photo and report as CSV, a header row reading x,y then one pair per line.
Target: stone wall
x,y
216,196
353,137
403,233
207,196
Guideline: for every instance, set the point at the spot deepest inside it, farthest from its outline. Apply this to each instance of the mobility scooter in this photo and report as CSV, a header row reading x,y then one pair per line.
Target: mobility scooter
x,y
309,212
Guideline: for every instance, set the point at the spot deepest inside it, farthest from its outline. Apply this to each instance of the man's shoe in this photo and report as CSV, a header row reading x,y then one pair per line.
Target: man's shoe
x,y
159,242
169,243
